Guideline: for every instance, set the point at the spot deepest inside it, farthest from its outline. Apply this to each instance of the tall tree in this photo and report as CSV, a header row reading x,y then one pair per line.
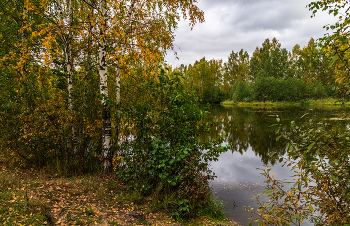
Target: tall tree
x,y
142,31
106,118
236,69
206,78
336,44
270,60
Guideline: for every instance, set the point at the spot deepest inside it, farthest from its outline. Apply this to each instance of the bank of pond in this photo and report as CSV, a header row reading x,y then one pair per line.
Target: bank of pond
x,y
308,102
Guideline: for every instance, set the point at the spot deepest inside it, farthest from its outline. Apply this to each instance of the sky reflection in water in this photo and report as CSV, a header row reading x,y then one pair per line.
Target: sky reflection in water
x,y
253,145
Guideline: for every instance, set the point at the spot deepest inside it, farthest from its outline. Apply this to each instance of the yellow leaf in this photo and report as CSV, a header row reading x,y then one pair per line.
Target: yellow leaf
x,y
272,176
311,208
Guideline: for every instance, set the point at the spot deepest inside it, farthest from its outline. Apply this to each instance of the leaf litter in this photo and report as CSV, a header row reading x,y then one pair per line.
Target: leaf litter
x,y
39,199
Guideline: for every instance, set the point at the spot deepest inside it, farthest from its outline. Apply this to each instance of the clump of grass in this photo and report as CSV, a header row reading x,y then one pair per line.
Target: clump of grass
x,y
38,206
114,223
228,102
89,211
17,204
258,103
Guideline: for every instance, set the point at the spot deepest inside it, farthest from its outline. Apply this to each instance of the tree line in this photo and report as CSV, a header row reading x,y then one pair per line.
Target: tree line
x,y
272,73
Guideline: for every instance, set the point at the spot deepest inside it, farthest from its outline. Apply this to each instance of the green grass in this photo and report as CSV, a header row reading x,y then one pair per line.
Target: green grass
x,y
329,102
89,211
260,104
321,102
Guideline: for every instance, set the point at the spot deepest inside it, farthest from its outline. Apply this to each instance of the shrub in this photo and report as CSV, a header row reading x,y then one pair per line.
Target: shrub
x,y
213,94
277,89
165,159
264,89
241,92
320,191
318,90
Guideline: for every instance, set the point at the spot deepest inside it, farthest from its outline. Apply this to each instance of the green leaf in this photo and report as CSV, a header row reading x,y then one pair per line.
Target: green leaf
x,y
310,146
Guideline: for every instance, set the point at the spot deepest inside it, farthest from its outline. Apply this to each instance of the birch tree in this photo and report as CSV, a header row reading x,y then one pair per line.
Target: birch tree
x,y
65,33
106,118
78,38
124,48
135,31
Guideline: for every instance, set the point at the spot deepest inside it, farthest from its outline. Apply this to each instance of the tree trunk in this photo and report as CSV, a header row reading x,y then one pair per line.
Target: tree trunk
x,y
127,31
24,38
106,118
67,44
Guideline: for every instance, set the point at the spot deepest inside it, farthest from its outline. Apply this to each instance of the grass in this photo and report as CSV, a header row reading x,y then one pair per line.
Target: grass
x,y
328,102
321,102
257,103
32,198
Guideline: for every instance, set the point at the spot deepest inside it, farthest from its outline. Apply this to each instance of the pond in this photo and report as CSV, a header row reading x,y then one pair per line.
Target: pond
x,y
254,145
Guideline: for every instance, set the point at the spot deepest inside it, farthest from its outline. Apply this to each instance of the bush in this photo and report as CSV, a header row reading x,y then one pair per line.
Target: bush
x,y
36,125
241,91
165,159
294,90
277,89
320,192
318,91
264,89
213,95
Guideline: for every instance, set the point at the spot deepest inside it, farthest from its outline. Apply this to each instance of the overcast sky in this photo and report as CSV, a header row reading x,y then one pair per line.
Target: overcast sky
x,y
245,24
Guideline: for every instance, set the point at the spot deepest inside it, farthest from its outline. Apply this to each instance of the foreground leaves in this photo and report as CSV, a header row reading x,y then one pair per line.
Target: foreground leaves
x,y
38,199
319,155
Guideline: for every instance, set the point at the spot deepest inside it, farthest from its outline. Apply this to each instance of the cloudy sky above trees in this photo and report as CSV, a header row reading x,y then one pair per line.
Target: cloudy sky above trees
x,y
245,24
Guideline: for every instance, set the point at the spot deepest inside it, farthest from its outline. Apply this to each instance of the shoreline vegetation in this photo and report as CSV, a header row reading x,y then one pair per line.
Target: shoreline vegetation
x,y
36,198
331,102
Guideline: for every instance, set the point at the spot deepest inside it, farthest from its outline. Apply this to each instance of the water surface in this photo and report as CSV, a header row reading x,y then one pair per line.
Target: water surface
x,y
253,138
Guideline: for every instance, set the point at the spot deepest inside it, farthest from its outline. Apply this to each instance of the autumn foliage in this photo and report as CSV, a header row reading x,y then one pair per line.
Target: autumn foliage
x,y
50,60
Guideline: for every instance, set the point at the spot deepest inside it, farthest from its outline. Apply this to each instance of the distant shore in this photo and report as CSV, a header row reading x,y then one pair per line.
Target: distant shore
x,y
321,102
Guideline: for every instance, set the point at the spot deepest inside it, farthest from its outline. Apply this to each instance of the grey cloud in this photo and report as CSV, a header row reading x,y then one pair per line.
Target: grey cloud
x,y
236,24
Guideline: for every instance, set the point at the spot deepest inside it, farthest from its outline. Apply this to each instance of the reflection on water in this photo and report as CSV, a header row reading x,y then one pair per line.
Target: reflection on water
x,y
254,144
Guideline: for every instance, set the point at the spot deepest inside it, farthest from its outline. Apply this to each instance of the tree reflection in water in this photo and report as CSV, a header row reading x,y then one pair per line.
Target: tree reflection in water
x,y
253,127
249,131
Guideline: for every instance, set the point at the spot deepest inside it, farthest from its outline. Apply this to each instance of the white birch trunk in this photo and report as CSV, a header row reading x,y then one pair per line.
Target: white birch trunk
x,y
69,60
24,40
88,56
24,50
106,119
67,43
67,48
69,77
127,30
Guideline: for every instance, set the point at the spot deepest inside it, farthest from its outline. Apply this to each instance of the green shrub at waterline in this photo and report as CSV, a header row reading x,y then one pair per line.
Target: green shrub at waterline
x,y
277,89
242,92
165,160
